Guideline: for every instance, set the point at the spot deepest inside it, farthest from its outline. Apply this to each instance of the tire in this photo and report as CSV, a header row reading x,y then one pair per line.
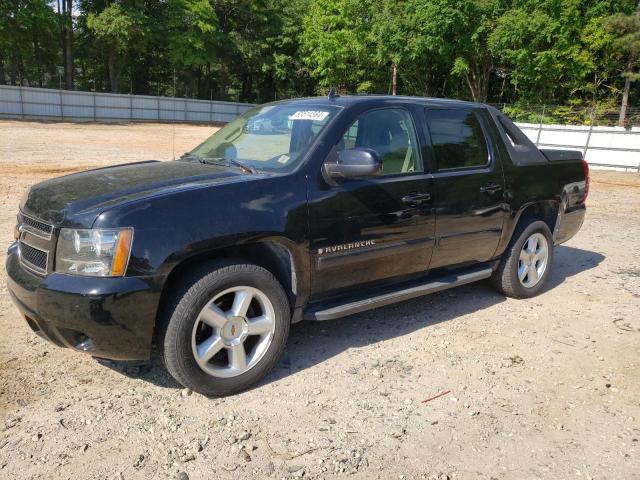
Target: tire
x,y
218,308
507,278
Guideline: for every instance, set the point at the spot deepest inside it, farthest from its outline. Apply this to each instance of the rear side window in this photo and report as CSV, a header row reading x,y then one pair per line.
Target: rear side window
x,y
457,139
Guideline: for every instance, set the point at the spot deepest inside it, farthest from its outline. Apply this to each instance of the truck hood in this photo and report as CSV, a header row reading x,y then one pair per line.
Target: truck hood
x,y
84,195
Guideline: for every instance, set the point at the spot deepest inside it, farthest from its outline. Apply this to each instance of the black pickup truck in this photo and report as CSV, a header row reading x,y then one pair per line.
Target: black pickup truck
x,y
303,209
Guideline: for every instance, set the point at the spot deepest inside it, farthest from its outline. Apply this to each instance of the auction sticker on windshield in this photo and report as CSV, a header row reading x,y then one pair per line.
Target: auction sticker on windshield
x,y
309,115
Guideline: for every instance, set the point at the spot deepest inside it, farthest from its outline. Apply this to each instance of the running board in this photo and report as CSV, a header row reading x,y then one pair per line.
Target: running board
x,y
380,300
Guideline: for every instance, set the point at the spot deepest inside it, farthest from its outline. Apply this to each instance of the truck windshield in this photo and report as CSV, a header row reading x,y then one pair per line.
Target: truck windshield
x,y
270,137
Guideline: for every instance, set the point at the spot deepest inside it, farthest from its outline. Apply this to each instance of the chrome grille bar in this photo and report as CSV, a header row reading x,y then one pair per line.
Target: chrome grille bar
x,y
35,226
35,244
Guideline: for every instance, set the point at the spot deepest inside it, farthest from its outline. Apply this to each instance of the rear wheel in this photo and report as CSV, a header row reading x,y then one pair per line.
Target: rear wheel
x,y
526,263
226,329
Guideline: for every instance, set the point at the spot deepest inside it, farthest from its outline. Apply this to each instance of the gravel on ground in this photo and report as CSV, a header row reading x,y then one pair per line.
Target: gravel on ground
x,y
545,388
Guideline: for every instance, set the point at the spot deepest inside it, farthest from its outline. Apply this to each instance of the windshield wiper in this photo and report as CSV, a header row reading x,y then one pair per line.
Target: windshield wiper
x,y
242,166
221,161
191,156
226,162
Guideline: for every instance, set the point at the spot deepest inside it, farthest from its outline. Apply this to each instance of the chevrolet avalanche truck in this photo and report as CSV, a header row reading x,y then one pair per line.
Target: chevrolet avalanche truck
x,y
309,209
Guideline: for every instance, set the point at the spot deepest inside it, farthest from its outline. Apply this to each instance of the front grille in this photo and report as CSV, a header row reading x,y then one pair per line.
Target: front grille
x,y
34,226
33,258
35,241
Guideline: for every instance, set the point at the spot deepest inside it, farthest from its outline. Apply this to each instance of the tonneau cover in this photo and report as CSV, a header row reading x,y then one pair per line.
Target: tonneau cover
x,y
558,155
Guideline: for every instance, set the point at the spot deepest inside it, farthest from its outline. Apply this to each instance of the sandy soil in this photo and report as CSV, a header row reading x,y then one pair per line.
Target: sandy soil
x,y
541,388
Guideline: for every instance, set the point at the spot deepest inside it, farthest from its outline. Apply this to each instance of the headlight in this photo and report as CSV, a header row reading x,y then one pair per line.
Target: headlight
x,y
95,252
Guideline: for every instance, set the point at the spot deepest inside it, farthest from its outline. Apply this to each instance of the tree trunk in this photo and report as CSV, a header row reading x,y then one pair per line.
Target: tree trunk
x,y
247,87
627,84
67,42
478,79
504,81
222,82
36,50
113,73
3,80
394,79
472,87
625,96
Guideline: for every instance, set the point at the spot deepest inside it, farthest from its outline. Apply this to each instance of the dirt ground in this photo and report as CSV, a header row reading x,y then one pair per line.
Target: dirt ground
x,y
547,388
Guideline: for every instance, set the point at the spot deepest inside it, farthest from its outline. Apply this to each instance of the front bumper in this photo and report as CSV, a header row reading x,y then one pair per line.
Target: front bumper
x,y
105,317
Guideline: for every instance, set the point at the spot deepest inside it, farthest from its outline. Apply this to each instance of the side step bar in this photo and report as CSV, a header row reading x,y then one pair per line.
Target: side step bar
x,y
380,300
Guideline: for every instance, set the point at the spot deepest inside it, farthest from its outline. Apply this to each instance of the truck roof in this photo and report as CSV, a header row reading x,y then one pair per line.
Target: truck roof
x,y
348,100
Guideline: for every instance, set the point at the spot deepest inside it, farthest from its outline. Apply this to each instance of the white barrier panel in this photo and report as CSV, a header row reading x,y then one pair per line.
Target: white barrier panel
x,y
612,146
46,104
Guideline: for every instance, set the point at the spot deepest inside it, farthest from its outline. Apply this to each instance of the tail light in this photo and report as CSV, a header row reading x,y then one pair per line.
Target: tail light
x,y
587,180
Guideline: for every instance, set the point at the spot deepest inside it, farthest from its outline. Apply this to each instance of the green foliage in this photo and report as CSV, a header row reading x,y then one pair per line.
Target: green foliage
x,y
570,52
114,26
625,29
193,32
119,30
335,42
29,49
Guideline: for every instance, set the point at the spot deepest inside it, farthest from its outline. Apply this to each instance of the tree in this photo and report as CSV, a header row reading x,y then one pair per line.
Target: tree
x,y
568,52
65,9
389,36
248,26
452,34
193,38
28,42
335,43
626,28
537,44
117,29
287,69
473,61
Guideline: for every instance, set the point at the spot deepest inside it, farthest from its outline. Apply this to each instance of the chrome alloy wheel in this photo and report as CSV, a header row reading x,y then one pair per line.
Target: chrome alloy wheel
x,y
534,257
233,331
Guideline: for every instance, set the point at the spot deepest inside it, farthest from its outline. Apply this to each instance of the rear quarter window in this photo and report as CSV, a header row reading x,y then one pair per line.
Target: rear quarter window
x,y
457,139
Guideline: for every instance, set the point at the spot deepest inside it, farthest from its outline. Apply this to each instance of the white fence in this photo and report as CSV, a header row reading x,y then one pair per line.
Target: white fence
x,y
47,104
601,146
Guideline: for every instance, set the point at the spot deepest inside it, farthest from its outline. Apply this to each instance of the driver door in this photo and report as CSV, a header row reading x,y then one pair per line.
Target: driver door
x,y
364,231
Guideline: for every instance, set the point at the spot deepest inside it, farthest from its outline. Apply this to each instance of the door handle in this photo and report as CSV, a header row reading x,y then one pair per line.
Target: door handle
x,y
416,199
490,187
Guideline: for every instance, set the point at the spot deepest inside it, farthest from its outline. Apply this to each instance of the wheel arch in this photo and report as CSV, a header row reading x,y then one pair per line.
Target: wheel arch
x,y
544,210
275,254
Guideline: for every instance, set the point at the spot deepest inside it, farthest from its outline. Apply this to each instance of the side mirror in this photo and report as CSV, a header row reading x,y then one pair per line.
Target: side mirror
x,y
354,163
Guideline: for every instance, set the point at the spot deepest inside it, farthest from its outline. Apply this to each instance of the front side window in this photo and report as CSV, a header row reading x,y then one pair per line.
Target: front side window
x,y
457,139
388,131
271,137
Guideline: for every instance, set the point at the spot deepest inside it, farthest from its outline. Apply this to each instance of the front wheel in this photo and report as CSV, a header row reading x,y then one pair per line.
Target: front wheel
x,y
526,263
226,329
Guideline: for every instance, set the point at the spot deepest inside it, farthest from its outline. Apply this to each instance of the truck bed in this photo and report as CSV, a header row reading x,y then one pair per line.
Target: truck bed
x,y
560,155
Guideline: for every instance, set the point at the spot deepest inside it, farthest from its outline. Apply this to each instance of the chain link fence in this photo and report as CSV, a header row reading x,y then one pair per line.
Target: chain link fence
x,y
600,115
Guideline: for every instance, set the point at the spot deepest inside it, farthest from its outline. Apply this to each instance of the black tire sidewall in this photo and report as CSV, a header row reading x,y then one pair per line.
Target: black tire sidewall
x,y
177,349
514,257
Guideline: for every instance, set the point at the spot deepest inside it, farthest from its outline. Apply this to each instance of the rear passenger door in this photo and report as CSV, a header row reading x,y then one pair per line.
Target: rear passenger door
x,y
469,182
